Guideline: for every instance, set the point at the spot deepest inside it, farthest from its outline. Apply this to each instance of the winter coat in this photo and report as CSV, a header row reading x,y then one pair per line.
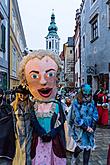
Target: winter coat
x,y
23,133
7,136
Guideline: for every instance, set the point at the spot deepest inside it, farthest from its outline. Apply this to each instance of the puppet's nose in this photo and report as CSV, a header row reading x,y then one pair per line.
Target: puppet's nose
x,y
43,81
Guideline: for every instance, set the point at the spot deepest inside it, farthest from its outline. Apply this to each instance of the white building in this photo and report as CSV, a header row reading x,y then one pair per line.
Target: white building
x,y
52,39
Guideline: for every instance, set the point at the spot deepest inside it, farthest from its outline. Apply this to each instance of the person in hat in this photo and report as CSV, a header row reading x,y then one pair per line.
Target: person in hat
x,y
7,136
82,120
23,129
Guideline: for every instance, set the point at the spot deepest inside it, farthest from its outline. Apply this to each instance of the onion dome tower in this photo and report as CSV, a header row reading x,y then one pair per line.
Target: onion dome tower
x,y
52,39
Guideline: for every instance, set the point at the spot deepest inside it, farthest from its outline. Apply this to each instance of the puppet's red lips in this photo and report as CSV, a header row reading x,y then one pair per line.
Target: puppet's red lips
x,y
45,92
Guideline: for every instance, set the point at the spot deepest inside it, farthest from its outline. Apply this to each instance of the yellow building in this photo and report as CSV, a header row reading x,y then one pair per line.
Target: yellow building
x,y
17,42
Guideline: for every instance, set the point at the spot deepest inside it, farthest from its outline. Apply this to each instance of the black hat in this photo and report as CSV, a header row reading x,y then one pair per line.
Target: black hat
x,y
1,91
22,89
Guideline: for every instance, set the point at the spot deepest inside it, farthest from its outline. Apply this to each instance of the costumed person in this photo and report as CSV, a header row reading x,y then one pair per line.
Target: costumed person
x,y
69,140
23,129
40,72
82,120
102,107
7,136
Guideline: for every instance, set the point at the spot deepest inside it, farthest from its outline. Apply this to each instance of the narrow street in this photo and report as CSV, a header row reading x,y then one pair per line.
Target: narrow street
x,y
99,155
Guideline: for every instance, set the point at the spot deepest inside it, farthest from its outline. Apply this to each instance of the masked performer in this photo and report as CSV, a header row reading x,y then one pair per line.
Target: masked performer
x,y
82,121
23,130
39,72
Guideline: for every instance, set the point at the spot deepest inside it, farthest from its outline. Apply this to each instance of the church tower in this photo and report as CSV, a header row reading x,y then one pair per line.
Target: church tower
x,y
52,39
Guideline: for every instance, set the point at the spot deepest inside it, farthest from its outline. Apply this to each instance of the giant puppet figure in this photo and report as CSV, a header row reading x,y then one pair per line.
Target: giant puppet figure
x,y
39,71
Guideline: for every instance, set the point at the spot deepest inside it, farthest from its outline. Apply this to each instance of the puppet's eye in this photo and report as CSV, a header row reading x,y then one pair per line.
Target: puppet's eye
x,y
50,74
35,76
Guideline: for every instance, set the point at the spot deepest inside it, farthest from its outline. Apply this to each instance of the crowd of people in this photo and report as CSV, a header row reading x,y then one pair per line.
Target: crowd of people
x,y
39,124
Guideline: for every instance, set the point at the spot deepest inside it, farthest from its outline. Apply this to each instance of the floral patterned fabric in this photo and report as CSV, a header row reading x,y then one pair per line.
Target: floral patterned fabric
x,y
45,155
82,116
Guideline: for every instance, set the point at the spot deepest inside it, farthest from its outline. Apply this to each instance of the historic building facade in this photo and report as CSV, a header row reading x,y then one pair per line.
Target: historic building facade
x,y
52,39
95,39
68,51
77,47
17,42
4,43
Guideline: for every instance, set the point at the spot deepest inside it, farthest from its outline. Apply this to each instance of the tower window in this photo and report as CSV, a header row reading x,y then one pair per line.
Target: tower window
x,y
49,45
52,44
46,44
56,45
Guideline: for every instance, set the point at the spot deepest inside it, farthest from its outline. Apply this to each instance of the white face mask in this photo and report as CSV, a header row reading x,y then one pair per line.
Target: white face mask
x,y
87,98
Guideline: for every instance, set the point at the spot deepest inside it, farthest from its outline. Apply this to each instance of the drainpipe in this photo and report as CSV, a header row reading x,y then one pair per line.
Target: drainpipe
x,y
8,44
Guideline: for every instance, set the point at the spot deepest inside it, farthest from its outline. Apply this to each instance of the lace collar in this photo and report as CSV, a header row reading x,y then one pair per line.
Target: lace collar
x,y
44,114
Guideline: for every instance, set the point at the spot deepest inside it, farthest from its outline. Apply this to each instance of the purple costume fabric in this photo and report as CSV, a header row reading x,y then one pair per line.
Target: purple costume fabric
x,y
45,155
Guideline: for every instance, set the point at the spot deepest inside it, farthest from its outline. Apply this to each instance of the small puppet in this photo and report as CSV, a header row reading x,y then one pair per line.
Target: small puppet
x,y
39,71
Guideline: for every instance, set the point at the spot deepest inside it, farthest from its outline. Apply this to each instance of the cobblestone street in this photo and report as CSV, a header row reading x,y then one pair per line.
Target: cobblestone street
x,y
99,155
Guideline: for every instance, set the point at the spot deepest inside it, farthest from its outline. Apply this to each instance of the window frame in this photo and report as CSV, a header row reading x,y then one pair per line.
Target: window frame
x,y
1,19
71,51
108,14
84,41
94,22
14,59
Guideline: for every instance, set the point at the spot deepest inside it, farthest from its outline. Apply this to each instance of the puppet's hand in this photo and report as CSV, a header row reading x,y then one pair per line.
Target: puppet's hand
x,y
46,138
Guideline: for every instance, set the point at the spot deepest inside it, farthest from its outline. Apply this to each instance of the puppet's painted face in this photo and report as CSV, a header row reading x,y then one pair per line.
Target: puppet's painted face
x,y
41,77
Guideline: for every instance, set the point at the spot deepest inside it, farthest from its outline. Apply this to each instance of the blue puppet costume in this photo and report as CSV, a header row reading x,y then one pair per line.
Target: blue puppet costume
x,y
82,120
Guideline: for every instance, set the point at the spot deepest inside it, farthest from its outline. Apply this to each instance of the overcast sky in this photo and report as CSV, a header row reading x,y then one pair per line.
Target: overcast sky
x,y
36,17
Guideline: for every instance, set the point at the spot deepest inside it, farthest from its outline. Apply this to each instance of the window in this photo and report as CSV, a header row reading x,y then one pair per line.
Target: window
x,y
14,61
84,41
2,34
46,44
3,30
108,14
13,20
94,28
70,51
89,80
56,45
50,45
109,67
